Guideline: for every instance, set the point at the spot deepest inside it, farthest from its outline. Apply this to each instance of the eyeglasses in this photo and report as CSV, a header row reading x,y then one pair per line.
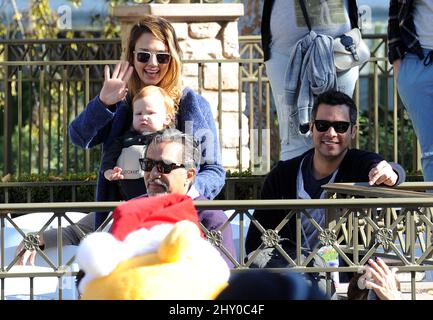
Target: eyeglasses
x,y
162,167
339,126
144,56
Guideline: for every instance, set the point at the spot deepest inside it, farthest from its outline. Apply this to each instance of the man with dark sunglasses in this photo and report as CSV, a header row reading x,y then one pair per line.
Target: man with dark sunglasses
x,y
170,165
333,127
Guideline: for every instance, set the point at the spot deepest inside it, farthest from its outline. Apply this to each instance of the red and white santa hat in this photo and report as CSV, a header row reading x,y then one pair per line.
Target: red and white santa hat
x,y
148,212
138,228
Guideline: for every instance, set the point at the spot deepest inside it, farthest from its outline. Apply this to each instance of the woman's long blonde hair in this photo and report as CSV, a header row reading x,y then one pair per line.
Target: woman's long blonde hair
x,y
163,31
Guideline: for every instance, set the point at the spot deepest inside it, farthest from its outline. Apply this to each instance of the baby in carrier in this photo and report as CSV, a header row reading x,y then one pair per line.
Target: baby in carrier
x,y
153,110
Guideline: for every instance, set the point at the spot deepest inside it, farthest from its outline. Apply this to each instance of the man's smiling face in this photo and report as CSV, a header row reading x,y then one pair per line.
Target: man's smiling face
x,y
331,144
177,181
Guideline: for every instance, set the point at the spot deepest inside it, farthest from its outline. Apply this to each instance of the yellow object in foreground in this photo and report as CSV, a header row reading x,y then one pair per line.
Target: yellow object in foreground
x,y
185,266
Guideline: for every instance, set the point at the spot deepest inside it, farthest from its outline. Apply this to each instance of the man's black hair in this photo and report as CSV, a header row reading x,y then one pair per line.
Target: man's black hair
x,y
335,98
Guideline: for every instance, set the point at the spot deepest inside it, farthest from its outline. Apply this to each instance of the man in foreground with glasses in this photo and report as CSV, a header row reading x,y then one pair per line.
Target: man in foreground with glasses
x,y
170,165
333,127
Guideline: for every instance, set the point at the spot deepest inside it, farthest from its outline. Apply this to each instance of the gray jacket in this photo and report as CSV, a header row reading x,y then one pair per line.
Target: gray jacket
x,y
310,72
71,235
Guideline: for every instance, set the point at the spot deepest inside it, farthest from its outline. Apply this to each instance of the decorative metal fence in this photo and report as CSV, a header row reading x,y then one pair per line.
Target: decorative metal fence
x,y
44,84
399,229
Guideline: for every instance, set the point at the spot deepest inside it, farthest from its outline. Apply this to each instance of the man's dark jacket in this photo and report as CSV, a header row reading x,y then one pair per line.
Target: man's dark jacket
x,y
402,36
281,184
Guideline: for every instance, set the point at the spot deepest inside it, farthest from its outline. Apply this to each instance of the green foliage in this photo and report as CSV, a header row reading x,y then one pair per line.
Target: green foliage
x,y
43,20
78,193
80,176
245,173
3,30
243,186
405,133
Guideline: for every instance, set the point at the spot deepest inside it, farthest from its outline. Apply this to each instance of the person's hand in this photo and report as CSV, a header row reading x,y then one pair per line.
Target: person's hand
x,y
382,173
114,88
114,174
383,280
29,256
396,66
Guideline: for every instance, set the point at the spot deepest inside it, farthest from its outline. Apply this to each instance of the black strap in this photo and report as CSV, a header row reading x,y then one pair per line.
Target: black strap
x,y
305,13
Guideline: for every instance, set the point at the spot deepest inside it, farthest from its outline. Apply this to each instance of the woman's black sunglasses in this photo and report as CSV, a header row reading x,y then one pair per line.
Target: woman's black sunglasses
x,y
144,56
339,126
162,167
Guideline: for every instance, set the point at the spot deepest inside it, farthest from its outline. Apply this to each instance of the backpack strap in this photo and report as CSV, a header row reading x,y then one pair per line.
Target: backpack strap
x,y
305,13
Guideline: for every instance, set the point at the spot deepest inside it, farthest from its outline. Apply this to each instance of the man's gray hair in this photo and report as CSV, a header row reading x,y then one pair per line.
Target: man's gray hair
x,y
191,151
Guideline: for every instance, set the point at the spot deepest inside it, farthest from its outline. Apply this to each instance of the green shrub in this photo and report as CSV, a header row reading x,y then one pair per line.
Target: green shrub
x,y
60,193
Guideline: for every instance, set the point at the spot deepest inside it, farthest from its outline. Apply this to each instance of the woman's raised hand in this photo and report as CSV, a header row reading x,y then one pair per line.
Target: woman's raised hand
x,y
114,88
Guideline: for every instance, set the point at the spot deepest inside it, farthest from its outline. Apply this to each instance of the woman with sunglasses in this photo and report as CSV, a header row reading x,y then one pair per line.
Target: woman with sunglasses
x,y
152,58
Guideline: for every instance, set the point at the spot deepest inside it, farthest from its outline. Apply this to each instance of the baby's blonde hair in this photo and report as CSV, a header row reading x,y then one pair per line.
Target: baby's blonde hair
x,y
170,106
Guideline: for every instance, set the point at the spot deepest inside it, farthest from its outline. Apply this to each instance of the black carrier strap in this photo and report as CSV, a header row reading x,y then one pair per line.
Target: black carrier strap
x,y
305,13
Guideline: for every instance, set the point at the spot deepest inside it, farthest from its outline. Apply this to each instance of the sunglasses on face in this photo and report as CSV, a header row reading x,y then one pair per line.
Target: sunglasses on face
x,y
144,56
339,126
162,167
